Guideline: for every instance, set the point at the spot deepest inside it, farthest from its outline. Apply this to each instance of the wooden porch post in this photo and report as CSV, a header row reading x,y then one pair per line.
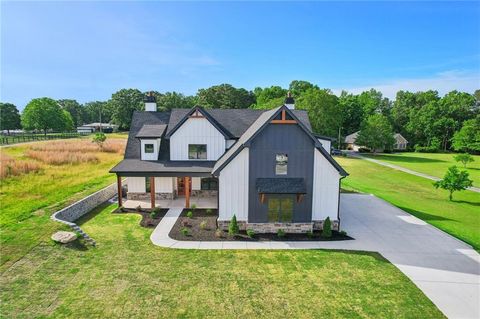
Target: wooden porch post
x,y
119,187
187,192
152,191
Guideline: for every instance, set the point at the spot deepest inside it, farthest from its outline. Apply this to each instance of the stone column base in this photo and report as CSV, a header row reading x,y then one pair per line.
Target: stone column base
x,y
318,224
146,196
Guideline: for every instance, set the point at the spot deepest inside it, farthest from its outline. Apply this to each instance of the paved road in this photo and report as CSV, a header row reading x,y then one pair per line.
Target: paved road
x,y
446,269
403,169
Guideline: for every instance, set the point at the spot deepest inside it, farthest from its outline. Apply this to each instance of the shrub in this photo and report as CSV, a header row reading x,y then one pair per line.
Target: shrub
x,y
219,233
343,233
426,149
209,211
363,150
233,227
190,214
464,159
203,224
139,208
250,233
280,233
310,234
327,228
193,207
185,223
99,138
184,231
155,212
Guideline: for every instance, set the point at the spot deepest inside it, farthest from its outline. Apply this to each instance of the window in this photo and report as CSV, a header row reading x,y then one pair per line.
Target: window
x,y
147,184
148,148
209,184
281,164
197,151
280,209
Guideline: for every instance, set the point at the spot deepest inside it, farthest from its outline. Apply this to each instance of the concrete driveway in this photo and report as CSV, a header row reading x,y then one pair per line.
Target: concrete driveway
x,y
446,269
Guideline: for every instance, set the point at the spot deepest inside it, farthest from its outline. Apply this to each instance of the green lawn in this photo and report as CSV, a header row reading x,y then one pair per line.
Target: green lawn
x,y
416,195
431,163
125,276
27,201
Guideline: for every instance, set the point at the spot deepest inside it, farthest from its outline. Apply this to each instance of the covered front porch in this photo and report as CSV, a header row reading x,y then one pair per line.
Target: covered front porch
x,y
149,192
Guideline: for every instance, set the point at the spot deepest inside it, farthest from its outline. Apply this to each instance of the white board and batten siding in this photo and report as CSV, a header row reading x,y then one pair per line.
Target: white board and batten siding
x,y
156,147
196,183
233,188
196,131
162,184
326,144
325,189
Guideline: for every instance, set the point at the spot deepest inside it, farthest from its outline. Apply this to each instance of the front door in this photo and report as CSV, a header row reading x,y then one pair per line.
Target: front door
x,y
181,186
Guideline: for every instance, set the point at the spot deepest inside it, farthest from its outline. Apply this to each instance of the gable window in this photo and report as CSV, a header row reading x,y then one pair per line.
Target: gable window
x,y
281,161
197,151
209,184
280,209
148,148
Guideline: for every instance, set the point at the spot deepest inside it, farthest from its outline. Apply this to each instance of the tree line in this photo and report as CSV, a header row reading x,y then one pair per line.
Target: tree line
x,y
429,122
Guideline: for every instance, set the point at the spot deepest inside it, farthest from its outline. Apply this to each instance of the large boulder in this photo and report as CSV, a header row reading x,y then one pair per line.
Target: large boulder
x,y
64,237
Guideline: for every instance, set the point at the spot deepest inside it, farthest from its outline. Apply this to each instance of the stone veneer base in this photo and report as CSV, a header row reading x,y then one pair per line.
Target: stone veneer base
x,y
274,227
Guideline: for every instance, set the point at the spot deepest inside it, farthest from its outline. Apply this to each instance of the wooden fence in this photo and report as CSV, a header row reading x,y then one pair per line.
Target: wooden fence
x,y
15,138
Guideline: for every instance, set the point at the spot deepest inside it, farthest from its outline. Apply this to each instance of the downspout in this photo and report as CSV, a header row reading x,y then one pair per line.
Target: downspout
x,y
338,204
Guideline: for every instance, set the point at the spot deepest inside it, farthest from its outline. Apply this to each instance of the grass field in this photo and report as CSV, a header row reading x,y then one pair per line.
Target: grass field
x,y
28,200
416,195
431,163
125,276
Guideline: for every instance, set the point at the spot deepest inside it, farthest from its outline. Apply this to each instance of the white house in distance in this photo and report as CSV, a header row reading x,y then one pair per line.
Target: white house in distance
x,y
400,142
266,167
97,127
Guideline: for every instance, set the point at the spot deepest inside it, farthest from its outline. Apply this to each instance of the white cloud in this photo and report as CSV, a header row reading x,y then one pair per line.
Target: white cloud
x,y
443,82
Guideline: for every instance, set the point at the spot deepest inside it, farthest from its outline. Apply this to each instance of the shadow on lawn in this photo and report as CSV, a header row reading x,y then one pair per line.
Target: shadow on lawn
x,y
85,218
424,216
405,159
466,202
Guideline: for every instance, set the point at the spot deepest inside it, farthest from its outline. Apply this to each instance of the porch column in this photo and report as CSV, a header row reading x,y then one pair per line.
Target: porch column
x,y
152,191
187,192
119,188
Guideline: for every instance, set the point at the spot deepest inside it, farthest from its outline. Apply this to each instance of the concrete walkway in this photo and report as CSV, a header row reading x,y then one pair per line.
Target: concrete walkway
x,y
406,170
446,269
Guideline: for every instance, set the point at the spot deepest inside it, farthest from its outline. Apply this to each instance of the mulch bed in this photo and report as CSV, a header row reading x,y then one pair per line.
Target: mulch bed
x,y
147,221
208,233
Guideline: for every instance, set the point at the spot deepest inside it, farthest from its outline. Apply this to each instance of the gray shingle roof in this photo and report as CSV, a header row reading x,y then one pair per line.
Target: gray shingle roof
x,y
163,168
152,131
283,185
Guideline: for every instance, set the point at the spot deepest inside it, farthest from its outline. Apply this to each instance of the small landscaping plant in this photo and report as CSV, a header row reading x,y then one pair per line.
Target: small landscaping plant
x,y
209,211
233,227
309,234
344,233
193,207
327,228
184,231
155,213
280,233
190,214
139,208
219,233
250,233
203,225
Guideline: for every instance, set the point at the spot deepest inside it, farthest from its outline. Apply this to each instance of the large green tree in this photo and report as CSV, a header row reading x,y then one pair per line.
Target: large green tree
x,y
352,112
174,100
75,109
123,103
9,117
373,102
376,133
45,114
298,87
97,111
323,110
467,139
225,96
269,97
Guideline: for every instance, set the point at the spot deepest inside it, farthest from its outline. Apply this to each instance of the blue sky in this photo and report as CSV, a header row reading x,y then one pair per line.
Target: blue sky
x,y
88,50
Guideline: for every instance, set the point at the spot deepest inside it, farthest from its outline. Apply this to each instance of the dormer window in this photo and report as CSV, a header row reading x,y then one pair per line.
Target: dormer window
x,y
148,148
281,161
197,151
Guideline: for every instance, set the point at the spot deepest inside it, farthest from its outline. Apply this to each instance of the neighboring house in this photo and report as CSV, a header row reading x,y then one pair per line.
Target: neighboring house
x,y
97,127
266,167
400,142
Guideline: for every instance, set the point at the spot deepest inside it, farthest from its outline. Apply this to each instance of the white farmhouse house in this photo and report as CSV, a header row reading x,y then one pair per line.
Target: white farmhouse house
x,y
265,166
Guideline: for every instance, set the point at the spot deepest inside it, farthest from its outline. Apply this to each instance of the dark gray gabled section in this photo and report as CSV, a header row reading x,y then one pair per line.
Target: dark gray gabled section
x,y
281,185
